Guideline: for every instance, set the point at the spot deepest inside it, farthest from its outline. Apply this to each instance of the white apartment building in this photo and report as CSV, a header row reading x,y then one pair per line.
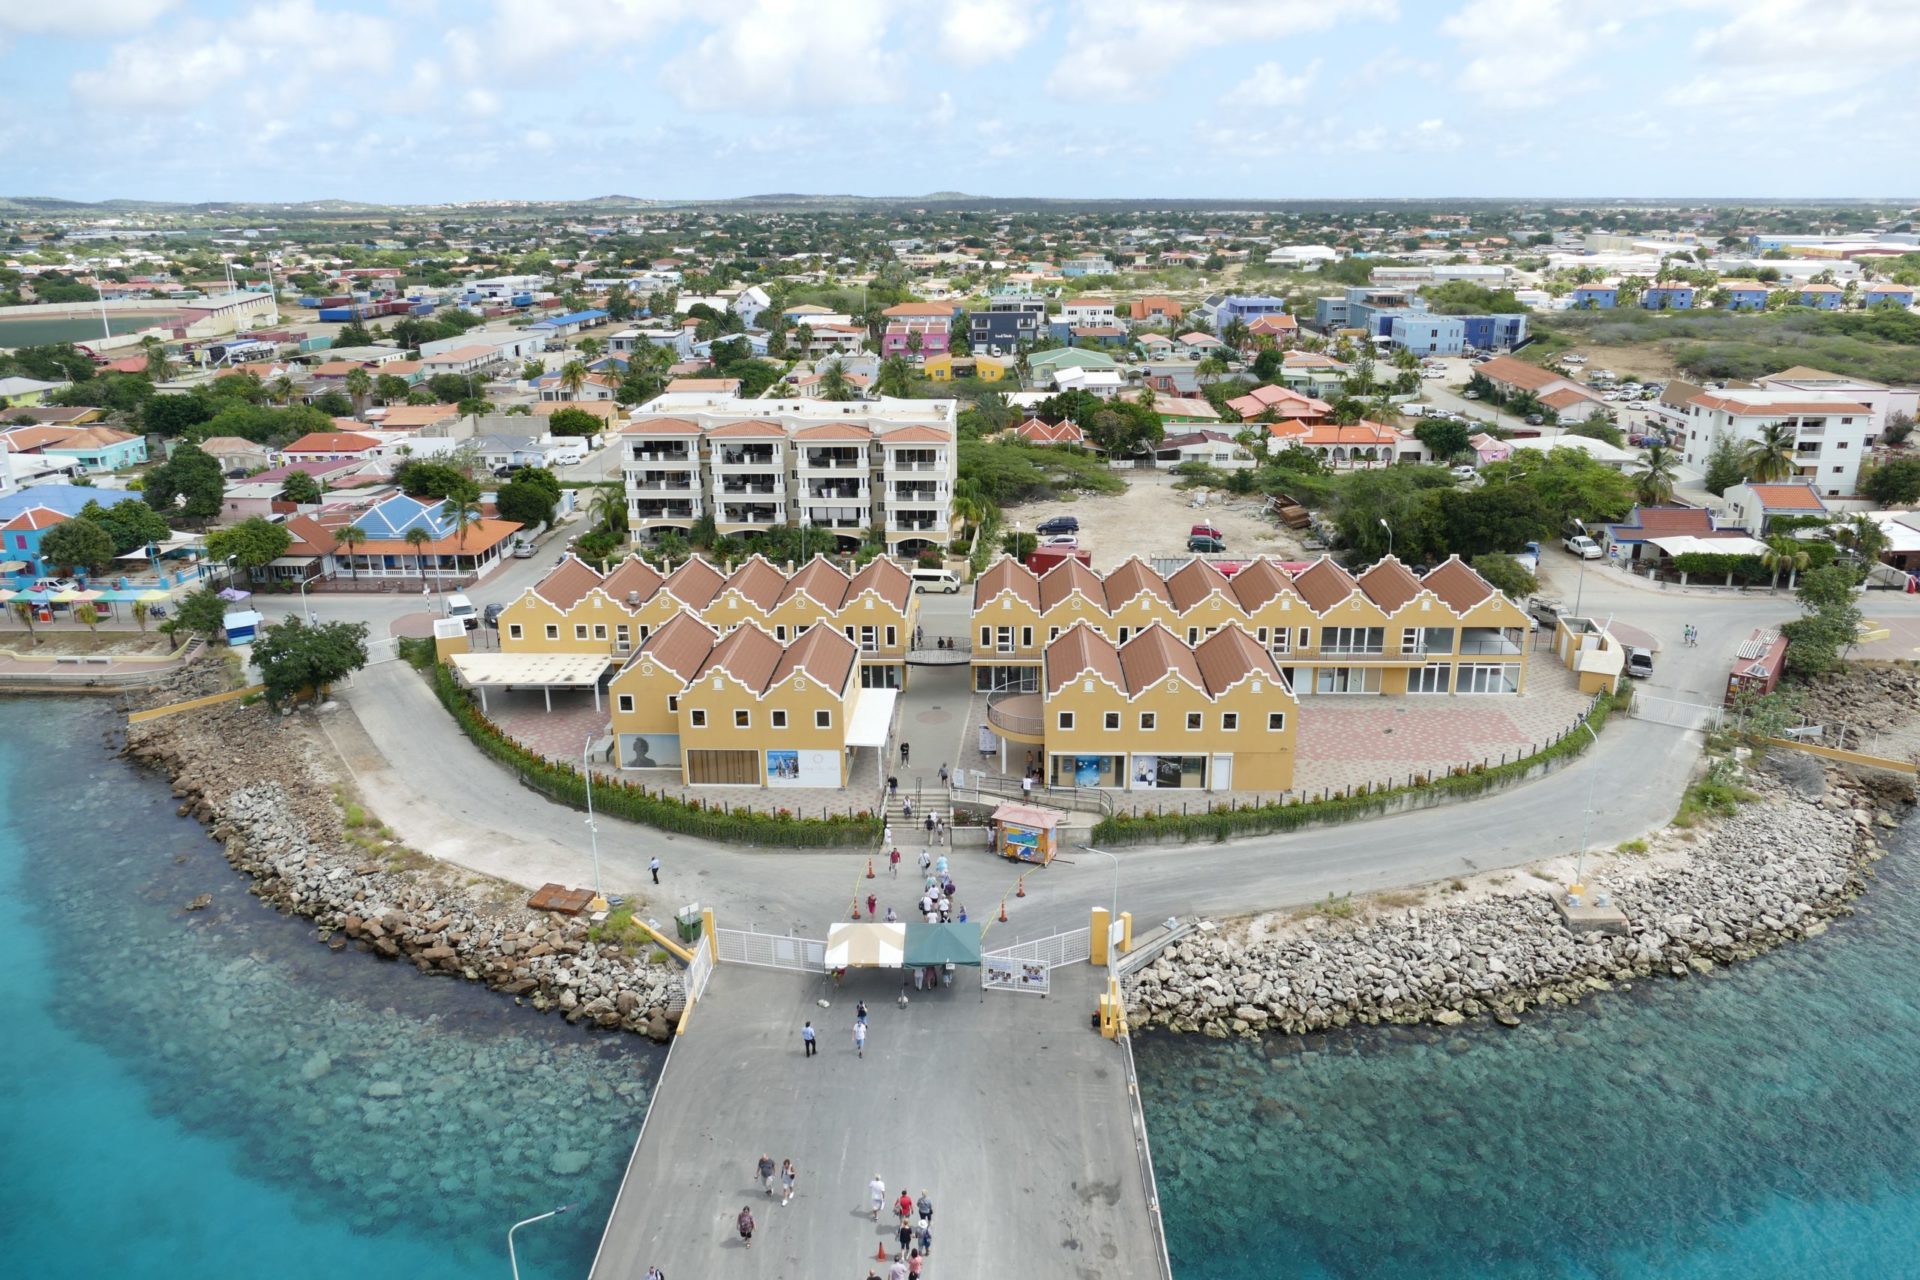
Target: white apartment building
x,y
1089,311
1877,396
844,466
1830,431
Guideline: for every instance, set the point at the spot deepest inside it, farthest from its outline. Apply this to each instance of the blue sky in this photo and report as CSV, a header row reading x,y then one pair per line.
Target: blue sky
x,y
431,100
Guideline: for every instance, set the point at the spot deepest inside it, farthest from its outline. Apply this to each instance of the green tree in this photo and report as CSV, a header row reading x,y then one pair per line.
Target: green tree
x,y
1568,481
251,544
1445,438
301,488
89,617
1599,427
464,513
528,505
1895,483
77,544
1863,537
345,539
896,378
1784,552
174,415
294,658
1724,468
573,422
418,538
1654,477
1771,456
202,613
1898,426
573,377
433,481
390,388
359,389
834,384
130,522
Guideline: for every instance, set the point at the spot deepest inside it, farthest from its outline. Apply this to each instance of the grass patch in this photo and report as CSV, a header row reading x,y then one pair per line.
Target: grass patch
x,y
1636,847
416,651
1881,346
353,815
1332,908
620,927
1716,794
1396,899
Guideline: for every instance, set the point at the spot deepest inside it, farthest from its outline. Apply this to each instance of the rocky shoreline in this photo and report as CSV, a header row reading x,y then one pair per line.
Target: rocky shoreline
x,y
1777,870
265,789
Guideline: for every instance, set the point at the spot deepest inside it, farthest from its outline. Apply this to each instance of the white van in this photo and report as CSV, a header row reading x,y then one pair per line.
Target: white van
x,y
936,580
458,606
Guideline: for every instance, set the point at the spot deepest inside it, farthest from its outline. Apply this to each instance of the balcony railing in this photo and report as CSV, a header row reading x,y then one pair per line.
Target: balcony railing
x,y
732,488
1017,713
660,455
894,465
659,486
748,458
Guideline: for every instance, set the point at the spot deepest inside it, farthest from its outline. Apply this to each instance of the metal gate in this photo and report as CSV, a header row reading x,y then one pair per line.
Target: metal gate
x,y
771,950
382,649
999,974
1026,966
1677,712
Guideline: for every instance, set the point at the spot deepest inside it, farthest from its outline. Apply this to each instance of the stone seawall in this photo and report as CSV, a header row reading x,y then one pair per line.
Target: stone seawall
x,y
264,785
1777,870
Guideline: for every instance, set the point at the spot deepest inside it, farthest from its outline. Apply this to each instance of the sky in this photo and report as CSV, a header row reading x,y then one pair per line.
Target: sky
x,y
413,101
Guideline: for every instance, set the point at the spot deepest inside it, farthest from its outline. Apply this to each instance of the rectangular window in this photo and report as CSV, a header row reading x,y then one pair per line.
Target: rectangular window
x,y
1124,633
1229,720
699,718
743,719
1276,721
779,719
644,630
1487,678
1346,680
599,631
626,702
513,631
1053,633
893,636
1503,640
986,637
579,631
823,719
1111,720
1026,637
868,642
623,637
553,632
673,704
1066,719
1193,635
1353,640
1433,678
1419,640
1003,639
1193,721
780,633
1147,720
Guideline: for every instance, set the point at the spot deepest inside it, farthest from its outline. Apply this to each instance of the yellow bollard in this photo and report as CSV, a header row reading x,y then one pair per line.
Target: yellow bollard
x,y
706,929
1126,932
1099,938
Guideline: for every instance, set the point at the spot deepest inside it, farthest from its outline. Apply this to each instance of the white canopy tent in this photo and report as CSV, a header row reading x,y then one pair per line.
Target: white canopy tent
x,y
866,946
871,723
1686,543
544,671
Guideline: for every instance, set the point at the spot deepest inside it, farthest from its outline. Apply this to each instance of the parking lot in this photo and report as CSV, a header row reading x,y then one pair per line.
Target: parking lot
x,y
1151,519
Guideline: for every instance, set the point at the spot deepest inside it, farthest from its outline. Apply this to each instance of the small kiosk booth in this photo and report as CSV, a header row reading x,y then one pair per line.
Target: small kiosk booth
x,y
1027,833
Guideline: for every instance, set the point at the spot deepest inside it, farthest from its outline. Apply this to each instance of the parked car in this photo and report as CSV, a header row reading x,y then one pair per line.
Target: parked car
x,y
1465,472
458,606
1201,542
1470,395
1639,662
1206,531
1583,546
1433,371
1535,420
942,580
490,616
52,585
1546,609
1058,524
1573,357
1061,540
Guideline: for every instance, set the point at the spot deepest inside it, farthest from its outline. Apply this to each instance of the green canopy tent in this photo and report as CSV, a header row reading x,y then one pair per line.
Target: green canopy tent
x,y
941,944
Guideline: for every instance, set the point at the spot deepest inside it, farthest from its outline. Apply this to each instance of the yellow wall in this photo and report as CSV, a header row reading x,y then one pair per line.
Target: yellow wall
x,y
799,697
649,685
1262,760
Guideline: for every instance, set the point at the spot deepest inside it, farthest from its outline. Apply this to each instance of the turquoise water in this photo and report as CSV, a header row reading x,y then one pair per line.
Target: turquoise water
x,y
1763,1121
214,1093
40,330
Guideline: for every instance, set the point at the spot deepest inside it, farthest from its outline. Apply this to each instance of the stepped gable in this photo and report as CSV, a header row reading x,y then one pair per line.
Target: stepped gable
x,y
1131,579
1229,656
1061,581
1153,655
1457,584
823,654
1080,648
820,580
746,653
1259,583
1193,581
695,583
568,582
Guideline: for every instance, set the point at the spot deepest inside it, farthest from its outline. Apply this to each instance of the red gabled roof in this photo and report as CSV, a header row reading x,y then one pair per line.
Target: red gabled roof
x,y
332,442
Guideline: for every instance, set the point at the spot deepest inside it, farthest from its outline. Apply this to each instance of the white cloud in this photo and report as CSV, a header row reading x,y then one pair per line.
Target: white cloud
x,y
976,32
1761,57
82,19
481,102
1271,86
534,35
1525,53
1117,47
943,111
273,55
786,54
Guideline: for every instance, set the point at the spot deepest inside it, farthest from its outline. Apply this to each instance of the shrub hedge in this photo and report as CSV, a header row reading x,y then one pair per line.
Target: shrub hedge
x,y
619,798
1226,822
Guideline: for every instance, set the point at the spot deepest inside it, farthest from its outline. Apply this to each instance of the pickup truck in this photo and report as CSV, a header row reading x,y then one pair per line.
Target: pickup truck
x,y
1583,546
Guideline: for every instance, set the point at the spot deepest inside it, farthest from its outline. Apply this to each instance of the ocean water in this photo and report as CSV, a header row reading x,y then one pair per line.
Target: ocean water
x,y
214,1093
1762,1121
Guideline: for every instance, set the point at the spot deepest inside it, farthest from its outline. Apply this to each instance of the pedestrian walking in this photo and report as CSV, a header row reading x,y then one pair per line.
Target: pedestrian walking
x,y
891,918
925,1206
860,1011
886,832
940,832
765,1168
946,910
925,1238
860,1039
903,1207
904,1235
943,773
878,1190
653,865
745,1223
893,860
788,1174
914,1263
655,1273
893,784
806,1037
926,861
905,751
873,904
906,807
963,914
929,828
898,1271
1026,786
940,865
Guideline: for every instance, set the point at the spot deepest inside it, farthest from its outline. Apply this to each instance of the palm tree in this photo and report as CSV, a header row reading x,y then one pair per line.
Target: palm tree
x,y
159,368
346,538
1653,482
359,387
281,390
994,412
607,509
1210,369
1235,334
573,376
1865,538
896,378
1784,552
1771,456
89,617
833,382
590,348
24,611
418,538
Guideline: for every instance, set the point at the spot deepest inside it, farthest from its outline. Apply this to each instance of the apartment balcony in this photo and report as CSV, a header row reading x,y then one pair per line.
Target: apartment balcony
x,y
648,512
931,495
667,453
902,462
908,524
837,490
751,515
655,482
1016,715
761,458
732,488
834,460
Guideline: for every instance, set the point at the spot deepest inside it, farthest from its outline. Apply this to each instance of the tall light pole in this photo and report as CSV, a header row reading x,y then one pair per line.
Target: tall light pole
x,y
1586,825
513,1261
1114,912
1389,529
305,612
1580,590
599,902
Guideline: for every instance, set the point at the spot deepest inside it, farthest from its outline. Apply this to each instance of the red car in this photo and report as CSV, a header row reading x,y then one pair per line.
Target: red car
x,y
1206,531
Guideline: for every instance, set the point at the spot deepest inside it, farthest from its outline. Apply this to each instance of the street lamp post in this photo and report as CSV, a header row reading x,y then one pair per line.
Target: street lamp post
x,y
231,562
1114,912
1389,529
513,1261
1580,591
304,611
599,902
1586,825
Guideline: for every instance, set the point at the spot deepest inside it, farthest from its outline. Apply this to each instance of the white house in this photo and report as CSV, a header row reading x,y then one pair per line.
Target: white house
x,y
1830,431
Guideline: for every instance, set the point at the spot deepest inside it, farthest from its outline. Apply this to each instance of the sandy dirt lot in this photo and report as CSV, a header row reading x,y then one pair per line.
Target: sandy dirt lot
x,y
1152,519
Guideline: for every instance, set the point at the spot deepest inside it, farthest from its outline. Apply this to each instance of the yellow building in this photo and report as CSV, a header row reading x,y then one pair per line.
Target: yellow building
x,y
743,709
1156,713
1384,632
576,609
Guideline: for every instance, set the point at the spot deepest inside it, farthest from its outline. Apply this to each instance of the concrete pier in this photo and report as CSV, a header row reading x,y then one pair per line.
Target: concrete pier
x,y
1009,1109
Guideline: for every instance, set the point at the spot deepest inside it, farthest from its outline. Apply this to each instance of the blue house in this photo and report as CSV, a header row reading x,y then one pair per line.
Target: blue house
x,y
1006,326
1329,314
100,449
1745,295
1501,332
1596,297
1667,297
1897,295
1246,309
571,323
1429,335
1822,297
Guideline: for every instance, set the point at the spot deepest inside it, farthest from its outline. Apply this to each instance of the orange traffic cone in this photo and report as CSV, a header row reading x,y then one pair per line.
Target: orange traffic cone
x,y
880,1252
869,868
856,909
1003,911
1020,889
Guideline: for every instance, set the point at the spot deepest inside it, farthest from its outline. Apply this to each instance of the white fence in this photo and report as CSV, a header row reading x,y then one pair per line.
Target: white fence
x,y
772,951
382,649
1680,714
1073,947
699,971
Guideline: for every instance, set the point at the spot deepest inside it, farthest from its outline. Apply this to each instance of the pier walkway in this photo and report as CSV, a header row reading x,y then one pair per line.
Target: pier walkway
x,y
1008,1108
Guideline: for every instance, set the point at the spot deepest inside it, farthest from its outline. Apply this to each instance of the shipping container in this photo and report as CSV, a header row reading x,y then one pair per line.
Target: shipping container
x,y
1759,665
1046,558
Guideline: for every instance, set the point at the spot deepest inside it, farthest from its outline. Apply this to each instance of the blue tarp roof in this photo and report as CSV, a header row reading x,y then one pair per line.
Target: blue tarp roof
x,y
573,317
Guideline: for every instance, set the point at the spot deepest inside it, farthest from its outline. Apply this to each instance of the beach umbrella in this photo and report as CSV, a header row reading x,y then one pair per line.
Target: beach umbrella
x,y
153,597
80,596
65,597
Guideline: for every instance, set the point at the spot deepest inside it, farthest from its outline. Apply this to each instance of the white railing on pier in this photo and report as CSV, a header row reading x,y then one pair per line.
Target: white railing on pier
x,y
1073,947
771,950
699,971
1144,1151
